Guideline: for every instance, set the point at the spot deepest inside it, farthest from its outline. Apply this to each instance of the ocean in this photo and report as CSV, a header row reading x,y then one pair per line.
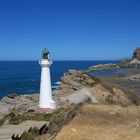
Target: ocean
x,y
23,77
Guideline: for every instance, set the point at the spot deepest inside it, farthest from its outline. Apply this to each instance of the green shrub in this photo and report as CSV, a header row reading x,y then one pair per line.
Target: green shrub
x,y
31,110
6,117
48,116
2,122
29,136
15,120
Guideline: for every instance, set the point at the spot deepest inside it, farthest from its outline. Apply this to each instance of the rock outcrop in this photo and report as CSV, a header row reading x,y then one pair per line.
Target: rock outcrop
x,y
136,54
134,62
74,80
112,94
84,86
104,67
21,103
80,96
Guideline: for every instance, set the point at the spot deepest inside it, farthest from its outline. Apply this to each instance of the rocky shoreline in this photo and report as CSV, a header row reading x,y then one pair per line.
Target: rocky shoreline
x,y
71,82
79,92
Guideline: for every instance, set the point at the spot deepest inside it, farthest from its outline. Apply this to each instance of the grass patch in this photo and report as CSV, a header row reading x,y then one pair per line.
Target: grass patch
x,y
2,122
47,117
6,117
29,135
16,119
19,118
95,80
33,133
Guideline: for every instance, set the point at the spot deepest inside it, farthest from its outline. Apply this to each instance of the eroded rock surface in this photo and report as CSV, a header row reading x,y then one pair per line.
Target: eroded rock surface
x,y
106,94
22,103
74,80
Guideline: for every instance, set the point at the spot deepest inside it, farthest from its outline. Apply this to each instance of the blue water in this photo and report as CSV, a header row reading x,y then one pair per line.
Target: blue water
x,y
23,77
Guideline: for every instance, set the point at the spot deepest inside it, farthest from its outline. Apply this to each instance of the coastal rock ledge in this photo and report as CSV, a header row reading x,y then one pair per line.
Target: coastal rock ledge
x,y
74,80
80,86
104,67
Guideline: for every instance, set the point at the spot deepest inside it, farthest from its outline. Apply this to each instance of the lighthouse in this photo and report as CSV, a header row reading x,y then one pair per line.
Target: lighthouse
x,y
45,99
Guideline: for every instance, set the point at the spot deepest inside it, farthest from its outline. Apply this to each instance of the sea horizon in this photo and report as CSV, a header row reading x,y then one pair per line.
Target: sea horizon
x,y
23,77
73,60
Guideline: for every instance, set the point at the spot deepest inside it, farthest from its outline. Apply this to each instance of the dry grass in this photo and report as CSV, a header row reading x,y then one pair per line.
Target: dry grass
x,y
92,122
63,118
16,119
103,122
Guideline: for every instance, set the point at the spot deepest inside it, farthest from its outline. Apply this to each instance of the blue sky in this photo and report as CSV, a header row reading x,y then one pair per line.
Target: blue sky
x,y
70,29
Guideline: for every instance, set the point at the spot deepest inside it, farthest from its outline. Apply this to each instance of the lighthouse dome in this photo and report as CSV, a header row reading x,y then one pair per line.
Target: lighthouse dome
x,y
45,54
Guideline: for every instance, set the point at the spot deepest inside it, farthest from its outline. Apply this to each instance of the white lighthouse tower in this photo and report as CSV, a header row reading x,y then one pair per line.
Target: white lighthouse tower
x,y
45,101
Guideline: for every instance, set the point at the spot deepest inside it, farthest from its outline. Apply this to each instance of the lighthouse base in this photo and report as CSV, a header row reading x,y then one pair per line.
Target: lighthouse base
x,y
49,106
44,109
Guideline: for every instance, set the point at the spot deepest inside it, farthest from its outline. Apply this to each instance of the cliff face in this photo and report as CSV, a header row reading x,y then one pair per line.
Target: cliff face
x,y
136,54
132,62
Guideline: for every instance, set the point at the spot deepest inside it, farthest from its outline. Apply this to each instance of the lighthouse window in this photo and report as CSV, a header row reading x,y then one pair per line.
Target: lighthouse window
x,y
45,56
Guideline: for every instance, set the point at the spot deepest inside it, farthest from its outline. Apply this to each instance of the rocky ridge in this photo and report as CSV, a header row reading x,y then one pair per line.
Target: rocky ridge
x,y
82,86
74,80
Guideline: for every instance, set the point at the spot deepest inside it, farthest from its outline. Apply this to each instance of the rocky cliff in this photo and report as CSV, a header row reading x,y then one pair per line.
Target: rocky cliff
x,y
136,54
134,62
83,86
